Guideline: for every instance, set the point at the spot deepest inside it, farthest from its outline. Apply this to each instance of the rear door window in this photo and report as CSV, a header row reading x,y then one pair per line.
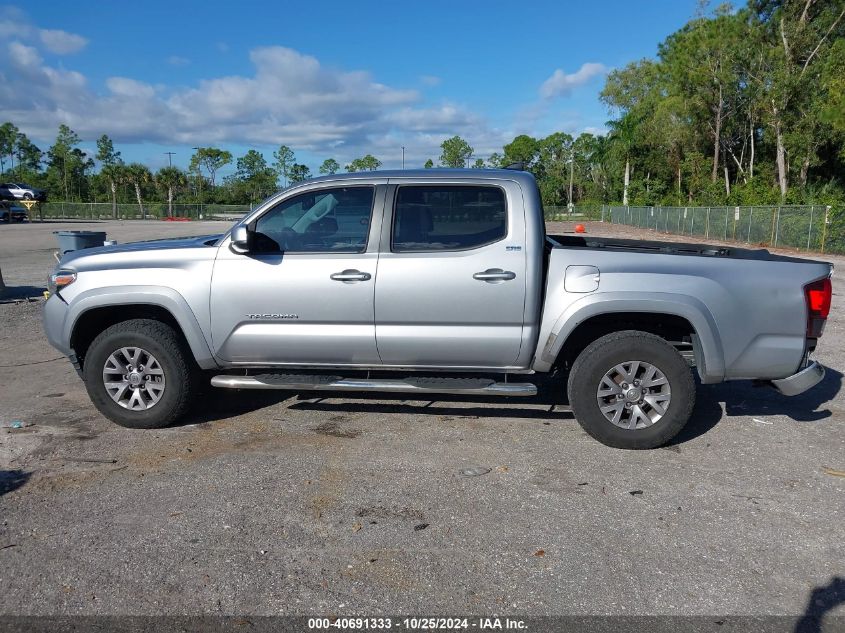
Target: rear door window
x,y
448,217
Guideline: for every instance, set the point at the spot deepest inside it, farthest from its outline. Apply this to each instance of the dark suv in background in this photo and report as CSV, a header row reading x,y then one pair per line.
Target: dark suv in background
x,y
12,212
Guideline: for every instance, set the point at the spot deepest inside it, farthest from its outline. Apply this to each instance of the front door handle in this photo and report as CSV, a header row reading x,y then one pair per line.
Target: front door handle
x,y
350,275
492,275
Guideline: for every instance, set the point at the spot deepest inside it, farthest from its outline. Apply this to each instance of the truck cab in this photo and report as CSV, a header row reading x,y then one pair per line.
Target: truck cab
x,y
392,272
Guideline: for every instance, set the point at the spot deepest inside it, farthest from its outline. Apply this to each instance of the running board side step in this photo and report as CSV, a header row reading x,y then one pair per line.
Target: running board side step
x,y
299,382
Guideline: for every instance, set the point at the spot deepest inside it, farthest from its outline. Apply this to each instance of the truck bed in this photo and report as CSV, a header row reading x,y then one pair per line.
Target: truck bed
x,y
668,248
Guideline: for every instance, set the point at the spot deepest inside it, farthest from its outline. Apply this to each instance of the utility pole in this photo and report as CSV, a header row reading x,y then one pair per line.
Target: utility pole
x,y
199,171
403,157
170,158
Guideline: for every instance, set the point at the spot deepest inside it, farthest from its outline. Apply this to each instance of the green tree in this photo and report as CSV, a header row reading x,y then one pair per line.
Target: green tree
x,y
621,141
429,164
112,167
478,164
455,152
365,163
28,155
8,141
139,175
67,164
298,173
700,61
522,149
329,166
285,160
212,159
168,180
495,160
795,41
555,167
255,175
833,112
592,152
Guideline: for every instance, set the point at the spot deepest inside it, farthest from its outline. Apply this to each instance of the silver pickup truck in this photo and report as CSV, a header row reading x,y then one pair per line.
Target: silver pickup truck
x,y
433,281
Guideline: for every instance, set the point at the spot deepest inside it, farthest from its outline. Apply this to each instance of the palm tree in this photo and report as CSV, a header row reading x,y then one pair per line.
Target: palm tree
x,y
622,138
115,173
138,175
168,179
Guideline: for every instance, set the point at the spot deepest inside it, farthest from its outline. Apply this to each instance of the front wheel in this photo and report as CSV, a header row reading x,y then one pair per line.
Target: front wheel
x,y
140,374
631,390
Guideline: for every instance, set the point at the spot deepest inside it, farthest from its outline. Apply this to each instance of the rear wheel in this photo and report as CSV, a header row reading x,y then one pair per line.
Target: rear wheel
x,y
631,390
140,374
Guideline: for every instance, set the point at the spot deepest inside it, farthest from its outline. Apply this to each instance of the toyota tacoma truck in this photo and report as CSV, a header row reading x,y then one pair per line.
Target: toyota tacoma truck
x,y
433,282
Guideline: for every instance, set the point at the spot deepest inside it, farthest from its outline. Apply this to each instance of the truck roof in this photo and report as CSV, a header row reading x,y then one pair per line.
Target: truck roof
x,y
436,173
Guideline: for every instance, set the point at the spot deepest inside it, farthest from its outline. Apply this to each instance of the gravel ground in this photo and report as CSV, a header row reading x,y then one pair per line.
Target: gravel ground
x,y
273,503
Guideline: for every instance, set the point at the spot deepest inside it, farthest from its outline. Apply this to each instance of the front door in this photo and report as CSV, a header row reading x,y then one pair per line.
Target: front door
x,y
451,284
304,293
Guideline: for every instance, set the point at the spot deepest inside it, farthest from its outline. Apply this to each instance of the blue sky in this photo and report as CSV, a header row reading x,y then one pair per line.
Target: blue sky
x,y
330,79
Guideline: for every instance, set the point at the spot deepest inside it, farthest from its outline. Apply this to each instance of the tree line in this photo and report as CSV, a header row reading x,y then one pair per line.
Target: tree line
x,y
68,172
739,107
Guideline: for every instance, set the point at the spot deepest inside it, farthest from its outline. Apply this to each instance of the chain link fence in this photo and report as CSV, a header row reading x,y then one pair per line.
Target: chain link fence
x,y
574,213
809,228
125,211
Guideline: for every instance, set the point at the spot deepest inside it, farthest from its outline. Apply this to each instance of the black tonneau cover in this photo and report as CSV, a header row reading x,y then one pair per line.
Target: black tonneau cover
x,y
668,248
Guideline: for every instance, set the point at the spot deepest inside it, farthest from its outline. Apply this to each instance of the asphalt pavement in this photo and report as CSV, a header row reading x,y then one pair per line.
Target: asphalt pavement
x,y
283,503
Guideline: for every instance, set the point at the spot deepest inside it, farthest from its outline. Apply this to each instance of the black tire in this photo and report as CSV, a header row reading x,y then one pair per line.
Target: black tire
x,y
180,372
601,356
27,196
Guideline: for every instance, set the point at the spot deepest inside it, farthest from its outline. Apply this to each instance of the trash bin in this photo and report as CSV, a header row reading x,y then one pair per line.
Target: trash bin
x,y
76,240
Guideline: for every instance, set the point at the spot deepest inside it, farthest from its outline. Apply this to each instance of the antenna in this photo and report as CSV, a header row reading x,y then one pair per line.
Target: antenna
x,y
518,166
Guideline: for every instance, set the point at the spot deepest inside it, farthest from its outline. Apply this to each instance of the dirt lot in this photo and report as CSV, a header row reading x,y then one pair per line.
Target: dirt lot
x,y
272,503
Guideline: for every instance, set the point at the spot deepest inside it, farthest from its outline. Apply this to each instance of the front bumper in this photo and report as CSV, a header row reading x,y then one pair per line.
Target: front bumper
x,y
805,379
53,316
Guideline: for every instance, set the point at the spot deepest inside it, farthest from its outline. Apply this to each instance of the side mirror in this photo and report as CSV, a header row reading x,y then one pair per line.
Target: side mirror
x,y
240,239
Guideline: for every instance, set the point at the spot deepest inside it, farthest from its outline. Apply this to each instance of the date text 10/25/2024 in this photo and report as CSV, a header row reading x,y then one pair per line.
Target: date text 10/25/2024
x,y
363,623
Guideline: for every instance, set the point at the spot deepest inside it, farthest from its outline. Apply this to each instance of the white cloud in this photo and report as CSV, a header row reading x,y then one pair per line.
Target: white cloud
x,y
595,130
178,60
15,24
125,87
561,84
288,97
430,80
23,56
61,42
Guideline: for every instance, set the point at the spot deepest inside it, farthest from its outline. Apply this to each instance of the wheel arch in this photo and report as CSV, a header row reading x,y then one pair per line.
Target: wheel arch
x,y
95,310
665,315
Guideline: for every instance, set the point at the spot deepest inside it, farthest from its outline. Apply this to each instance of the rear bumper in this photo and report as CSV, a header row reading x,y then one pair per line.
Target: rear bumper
x,y
802,381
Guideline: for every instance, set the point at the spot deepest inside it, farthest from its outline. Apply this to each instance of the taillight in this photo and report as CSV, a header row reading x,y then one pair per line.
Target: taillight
x,y
818,295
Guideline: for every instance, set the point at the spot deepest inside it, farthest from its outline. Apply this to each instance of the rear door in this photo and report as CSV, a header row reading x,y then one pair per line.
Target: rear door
x,y
452,275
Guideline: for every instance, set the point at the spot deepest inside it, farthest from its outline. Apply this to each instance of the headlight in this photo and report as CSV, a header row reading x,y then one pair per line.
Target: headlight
x,y
60,279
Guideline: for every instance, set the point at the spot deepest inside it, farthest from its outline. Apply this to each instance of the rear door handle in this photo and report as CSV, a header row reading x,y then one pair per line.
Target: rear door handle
x,y
492,275
350,275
